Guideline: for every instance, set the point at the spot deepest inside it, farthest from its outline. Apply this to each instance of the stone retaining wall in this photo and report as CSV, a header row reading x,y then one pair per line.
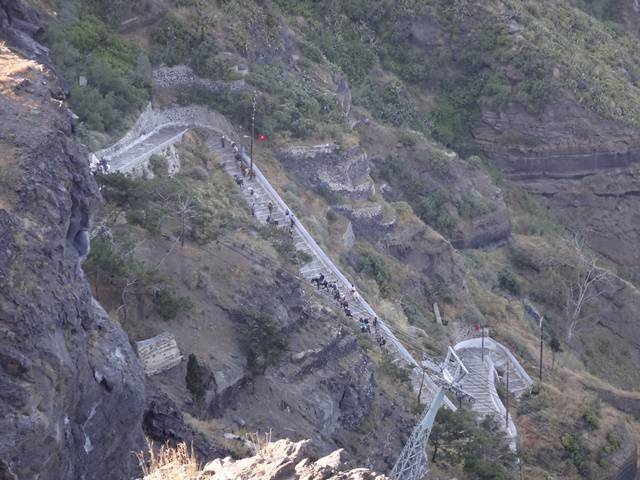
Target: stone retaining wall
x,y
151,121
183,76
159,353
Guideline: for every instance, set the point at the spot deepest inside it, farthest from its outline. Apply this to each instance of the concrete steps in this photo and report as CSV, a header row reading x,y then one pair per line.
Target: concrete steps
x,y
260,199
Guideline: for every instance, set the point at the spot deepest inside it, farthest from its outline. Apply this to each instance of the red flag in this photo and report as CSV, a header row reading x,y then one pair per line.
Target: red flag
x,y
477,327
262,137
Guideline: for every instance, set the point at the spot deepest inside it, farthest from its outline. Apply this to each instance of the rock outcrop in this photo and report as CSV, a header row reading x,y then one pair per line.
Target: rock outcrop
x,y
164,423
285,459
18,24
602,206
331,170
565,140
71,387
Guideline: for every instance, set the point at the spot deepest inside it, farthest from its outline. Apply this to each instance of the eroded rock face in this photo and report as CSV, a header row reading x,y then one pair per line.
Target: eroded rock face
x,y
330,169
429,255
603,206
566,140
164,422
71,387
366,219
18,23
285,459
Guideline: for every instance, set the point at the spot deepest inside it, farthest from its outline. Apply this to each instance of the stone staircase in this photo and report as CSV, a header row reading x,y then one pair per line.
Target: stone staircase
x,y
260,198
481,380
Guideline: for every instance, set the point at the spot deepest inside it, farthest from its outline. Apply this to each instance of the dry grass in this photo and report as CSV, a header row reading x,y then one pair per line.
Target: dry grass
x,y
168,463
13,69
259,442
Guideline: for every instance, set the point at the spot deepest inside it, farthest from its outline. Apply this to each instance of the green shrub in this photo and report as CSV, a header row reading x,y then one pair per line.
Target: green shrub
x,y
591,415
408,138
432,209
195,378
136,217
389,366
470,207
548,288
614,442
311,51
168,304
507,281
578,452
374,265
261,338
159,165
173,41
482,448
197,173
117,72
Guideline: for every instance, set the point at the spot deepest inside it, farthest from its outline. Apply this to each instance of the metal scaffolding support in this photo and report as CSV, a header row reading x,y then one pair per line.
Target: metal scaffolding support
x,y
412,462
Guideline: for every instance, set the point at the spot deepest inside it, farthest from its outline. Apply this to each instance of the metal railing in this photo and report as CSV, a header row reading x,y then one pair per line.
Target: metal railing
x,y
328,263
491,344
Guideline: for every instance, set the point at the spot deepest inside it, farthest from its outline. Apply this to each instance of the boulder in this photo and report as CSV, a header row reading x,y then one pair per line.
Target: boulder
x,y
286,460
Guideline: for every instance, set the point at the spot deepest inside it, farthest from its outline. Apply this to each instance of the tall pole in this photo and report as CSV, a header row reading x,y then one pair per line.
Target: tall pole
x,y
507,402
482,343
541,346
253,131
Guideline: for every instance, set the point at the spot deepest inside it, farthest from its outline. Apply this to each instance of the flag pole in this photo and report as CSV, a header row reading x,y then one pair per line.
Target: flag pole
x,y
253,131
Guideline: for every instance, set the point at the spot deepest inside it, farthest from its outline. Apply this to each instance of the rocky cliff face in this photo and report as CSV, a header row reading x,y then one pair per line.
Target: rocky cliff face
x,y
71,387
583,167
565,140
329,169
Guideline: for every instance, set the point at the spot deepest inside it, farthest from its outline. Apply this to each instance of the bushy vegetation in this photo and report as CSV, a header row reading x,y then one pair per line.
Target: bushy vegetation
x,y
389,366
112,263
482,449
169,304
507,281
291,104
262,339
374,265
117,72
159,203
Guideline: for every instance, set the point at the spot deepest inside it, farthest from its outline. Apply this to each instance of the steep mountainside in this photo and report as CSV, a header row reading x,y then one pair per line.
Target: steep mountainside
x,y
470,165
72,391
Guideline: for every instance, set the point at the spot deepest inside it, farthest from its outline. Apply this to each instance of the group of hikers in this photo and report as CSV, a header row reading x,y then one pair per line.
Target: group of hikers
x,y
366,326
244,169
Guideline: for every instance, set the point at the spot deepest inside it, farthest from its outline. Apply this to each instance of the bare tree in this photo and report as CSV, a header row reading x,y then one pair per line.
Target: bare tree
x,y
129,282
584,281
185,210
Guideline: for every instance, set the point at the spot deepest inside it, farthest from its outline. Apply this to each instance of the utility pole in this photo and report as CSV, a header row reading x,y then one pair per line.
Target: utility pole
x,y
482,328
507,402
253,131
541,345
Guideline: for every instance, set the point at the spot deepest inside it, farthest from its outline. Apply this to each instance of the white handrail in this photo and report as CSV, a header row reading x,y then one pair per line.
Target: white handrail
x,y
404,353
491,344
500,408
